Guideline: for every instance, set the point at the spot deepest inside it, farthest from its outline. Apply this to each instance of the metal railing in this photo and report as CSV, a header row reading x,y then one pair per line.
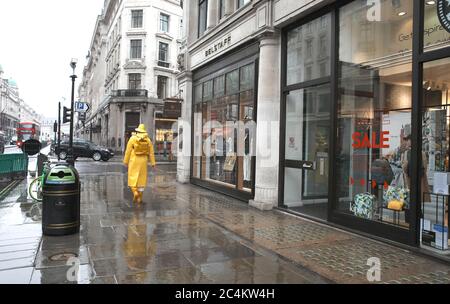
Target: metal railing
x,y
13,165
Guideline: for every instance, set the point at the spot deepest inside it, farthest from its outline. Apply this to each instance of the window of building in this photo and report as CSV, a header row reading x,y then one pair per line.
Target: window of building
x,y
136,49
163,56
134,81
202,16
374,117
164,22
304,65
221,9
137,18
435,35
162,87
309,48
241,3
223,151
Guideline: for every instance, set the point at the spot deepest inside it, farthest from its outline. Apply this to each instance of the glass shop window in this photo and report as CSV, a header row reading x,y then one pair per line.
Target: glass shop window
x,y
225,101
435,34
374,114
316,46
435,166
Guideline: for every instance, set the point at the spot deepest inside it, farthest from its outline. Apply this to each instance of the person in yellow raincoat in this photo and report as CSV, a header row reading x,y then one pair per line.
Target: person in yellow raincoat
x,y
137,156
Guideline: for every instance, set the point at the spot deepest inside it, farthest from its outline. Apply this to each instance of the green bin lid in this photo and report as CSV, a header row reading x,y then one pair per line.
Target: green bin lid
x,y
61,175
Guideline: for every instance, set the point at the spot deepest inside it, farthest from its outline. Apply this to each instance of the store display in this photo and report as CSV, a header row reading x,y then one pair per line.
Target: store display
x,y
230,162
382,171
441,182
434,221
396,194
396,205
441,233
363,205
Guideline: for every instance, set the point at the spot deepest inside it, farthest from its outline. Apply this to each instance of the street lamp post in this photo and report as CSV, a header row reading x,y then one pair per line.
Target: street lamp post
x,y
71,159
59,129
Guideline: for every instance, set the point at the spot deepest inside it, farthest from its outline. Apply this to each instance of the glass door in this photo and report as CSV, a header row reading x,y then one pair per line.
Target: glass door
x,y
307,151
307,121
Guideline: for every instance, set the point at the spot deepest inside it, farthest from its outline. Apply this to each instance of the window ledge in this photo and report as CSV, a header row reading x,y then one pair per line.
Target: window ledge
x,y
164,35
164,69
137,33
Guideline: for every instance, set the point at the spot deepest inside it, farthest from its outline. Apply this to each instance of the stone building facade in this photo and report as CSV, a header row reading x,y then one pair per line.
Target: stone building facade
x,y
13,109
348,108
131,69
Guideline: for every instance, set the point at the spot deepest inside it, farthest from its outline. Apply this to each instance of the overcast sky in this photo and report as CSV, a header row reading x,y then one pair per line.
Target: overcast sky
x,y
38,38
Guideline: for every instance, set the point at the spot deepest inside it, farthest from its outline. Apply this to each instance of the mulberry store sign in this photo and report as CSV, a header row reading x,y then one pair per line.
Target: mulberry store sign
x,y
443,10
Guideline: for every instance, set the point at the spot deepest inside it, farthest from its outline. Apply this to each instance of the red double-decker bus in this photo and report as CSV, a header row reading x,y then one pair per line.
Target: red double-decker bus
x,y
26,131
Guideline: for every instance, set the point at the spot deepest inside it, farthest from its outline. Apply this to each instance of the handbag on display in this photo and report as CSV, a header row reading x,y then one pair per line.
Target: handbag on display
x,y
396,196
396,205
399,179
363,205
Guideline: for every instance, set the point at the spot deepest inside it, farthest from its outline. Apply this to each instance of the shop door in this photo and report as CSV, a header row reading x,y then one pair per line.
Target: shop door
x,y
307,151
132,121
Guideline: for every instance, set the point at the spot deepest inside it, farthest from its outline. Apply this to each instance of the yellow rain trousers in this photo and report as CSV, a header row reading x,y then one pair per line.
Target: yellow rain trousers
x,y
137,162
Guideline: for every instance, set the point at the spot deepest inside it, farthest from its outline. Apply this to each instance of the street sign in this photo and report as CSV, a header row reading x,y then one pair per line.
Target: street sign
x,y
82,116
81,107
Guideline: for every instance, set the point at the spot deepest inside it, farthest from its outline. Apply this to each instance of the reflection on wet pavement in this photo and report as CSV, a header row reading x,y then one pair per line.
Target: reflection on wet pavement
x,y
184,234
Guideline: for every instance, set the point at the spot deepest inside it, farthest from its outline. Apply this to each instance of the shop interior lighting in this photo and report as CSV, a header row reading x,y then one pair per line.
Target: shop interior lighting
x,y
430,2
402,14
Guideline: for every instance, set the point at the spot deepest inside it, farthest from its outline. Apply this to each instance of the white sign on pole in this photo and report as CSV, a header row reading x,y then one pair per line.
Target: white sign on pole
x,y
81,107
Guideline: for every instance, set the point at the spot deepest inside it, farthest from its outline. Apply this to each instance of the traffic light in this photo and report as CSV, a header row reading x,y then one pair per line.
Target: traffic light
x,y
66,115
55,127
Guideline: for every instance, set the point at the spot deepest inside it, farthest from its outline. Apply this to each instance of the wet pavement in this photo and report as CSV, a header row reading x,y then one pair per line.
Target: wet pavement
x,y
185,234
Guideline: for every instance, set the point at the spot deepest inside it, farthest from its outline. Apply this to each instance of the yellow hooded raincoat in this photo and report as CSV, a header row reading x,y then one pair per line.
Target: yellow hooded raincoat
x,y
137,159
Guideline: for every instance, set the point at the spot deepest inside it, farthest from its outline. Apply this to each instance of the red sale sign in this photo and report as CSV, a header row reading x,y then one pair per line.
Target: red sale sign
x,y
362,140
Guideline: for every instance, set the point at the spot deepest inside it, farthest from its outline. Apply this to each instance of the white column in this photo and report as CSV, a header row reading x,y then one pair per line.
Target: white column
x,y
229,7
268,124
184,154
213,13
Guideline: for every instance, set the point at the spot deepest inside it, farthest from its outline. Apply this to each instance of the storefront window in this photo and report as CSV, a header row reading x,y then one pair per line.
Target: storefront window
x,y
309,50
435,168
219,86
374,112
227,101
232,82
436,33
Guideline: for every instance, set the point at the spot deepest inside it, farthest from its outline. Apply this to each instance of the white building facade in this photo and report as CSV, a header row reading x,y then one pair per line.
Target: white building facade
x,y
349,109
12,108
131,69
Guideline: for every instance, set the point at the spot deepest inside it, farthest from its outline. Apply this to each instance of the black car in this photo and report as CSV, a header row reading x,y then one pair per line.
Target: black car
x,y
83,148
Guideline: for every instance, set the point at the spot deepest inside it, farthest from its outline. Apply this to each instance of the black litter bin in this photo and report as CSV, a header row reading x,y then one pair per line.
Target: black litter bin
x,y
61,201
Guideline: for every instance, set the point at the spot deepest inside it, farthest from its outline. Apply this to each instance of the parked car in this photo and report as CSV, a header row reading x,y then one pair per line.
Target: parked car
x,y
83,148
